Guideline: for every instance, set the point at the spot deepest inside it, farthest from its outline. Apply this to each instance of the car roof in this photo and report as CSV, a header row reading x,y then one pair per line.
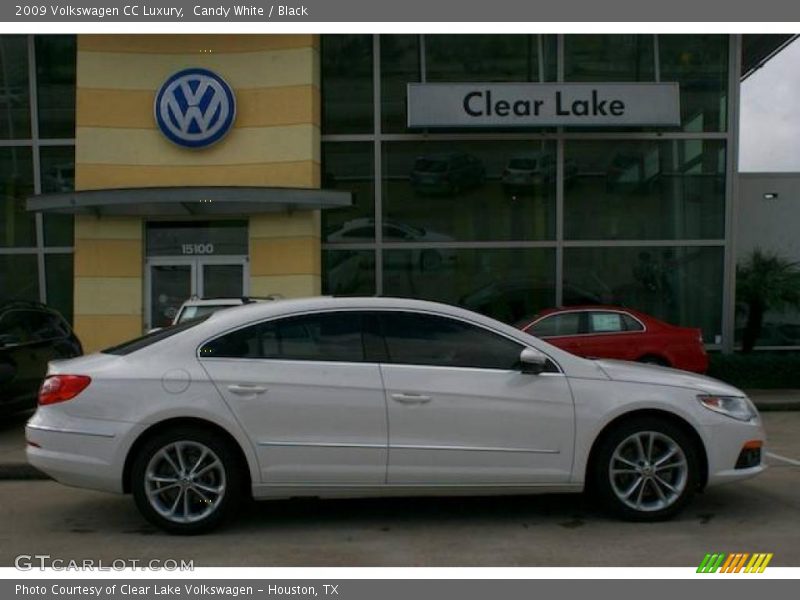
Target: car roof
x,y
248,313
237,317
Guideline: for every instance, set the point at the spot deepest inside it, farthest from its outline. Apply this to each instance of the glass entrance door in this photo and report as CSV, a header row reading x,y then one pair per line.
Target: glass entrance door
x,y
170,281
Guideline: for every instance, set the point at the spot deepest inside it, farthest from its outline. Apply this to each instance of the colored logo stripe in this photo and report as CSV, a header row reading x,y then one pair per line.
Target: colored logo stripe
x,y
735,562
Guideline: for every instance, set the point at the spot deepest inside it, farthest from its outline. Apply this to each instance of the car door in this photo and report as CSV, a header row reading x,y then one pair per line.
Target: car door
x,y
609,336
462,412
301,388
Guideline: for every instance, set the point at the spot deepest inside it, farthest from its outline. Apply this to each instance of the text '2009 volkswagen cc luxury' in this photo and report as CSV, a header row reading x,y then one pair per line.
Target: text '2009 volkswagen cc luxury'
x,y
378,396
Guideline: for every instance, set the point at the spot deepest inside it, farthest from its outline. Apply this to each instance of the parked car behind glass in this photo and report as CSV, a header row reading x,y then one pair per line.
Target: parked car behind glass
x,y
447,174
31,335
623,333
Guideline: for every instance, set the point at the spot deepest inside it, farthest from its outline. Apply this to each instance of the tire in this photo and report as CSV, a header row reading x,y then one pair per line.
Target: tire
x,y
179,502
654,360
637,489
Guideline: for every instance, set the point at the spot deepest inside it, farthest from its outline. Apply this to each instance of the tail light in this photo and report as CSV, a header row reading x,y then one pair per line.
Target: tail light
x,y
60,388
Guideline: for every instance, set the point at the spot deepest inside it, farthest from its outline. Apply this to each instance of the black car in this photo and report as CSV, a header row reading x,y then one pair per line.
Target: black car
x,y
31,334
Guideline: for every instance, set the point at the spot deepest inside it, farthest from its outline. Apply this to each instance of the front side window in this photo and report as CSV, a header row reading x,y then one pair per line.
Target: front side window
x,y
322,337
558,325
420,339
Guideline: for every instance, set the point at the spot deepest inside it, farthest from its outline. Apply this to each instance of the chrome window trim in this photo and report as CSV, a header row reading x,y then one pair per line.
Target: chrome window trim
x,y
367,446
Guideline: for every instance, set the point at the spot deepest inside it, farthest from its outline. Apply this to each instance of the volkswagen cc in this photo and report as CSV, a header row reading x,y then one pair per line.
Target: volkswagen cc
x,y
346,397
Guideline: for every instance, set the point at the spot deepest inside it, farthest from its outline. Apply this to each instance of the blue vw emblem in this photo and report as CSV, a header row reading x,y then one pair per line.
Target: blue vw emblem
x,y
195,108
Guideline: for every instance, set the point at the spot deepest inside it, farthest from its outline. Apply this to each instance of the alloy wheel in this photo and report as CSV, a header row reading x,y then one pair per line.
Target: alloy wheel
x,y
185,481
648,471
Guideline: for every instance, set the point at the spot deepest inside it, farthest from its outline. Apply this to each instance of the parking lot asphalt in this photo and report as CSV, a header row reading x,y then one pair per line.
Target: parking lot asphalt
x,y
759,515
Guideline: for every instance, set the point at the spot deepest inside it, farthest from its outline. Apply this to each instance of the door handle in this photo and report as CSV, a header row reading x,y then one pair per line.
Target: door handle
x,y
246,390
411,398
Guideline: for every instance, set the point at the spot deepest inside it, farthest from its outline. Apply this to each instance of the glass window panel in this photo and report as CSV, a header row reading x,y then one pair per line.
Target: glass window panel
x,y
348,272
58,269
347,96
18,277
17,225
779,327
507,284
681,285
644,189
399,66
55,77
489,57
350,166
471,190
609,58
15,112
700,64
418,339
58,175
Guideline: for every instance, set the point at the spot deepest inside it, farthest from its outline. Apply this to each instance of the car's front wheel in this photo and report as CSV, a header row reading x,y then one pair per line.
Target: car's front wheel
x,y
186,480
646,469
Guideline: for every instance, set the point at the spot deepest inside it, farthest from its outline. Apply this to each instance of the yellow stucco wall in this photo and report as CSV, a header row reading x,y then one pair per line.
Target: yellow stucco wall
x,y
274,142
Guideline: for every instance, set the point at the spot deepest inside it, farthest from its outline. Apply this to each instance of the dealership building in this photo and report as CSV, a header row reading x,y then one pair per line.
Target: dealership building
x,y
504,173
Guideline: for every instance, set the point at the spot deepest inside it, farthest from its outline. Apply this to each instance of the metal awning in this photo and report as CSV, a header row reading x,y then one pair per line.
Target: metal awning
x,y
187,201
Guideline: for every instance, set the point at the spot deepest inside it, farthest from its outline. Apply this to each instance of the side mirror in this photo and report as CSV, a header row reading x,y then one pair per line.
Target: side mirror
x,y
533,362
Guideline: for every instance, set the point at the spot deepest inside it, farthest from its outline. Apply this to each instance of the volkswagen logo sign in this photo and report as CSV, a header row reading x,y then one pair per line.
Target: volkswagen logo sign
x,y
195,108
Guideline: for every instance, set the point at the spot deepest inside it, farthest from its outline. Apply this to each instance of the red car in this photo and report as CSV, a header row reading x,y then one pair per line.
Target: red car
x,y
613,332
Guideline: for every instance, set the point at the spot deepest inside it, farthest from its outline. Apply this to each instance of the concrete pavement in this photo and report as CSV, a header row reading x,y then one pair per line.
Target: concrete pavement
x,y
758,515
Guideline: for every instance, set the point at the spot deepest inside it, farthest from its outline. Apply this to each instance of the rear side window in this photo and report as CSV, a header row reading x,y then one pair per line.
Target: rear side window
x,y
606,322
632,324
334,337
151,338
420,339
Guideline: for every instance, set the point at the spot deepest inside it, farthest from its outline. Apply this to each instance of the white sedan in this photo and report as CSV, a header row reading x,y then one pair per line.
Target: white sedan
x,y
376,397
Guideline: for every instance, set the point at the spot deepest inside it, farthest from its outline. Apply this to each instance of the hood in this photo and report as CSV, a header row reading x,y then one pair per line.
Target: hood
x,y
621,370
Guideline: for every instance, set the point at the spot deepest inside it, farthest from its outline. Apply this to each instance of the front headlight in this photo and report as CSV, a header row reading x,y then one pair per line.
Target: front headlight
x,y
736,407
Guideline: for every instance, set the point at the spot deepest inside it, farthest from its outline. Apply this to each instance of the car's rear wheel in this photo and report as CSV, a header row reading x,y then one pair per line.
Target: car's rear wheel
x,y
186,480
646,469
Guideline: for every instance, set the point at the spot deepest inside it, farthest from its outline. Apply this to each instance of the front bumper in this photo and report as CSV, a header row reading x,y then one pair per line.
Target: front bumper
x,y
726,439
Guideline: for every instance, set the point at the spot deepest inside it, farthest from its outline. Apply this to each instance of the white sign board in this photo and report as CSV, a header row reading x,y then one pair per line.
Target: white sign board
x,y
432,105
